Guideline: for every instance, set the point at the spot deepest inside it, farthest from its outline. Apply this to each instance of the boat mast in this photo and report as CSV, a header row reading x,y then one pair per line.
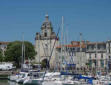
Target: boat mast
x,y
39,49
96,59
107,54
62,26
23,51
81,50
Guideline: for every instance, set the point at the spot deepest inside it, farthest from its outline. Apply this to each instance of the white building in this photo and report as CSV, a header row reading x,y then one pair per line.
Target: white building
x,y
96,56
44,42
73,54
108,53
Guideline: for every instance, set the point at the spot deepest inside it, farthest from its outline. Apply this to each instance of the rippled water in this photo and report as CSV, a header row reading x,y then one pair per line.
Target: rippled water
x,y
7,82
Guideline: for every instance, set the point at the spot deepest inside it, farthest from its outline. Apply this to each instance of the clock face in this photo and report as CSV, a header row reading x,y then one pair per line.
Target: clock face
x,y
46,45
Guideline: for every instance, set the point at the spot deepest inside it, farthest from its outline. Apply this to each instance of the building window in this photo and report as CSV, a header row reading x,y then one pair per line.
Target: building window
x,y
101,56
90,56
75,54
45,34
95,55
95,63
72,54
102,63
73,49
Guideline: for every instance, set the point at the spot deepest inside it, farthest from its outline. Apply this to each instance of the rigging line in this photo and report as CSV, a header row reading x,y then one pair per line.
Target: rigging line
x,y
43,48
45,55
52,49
54,43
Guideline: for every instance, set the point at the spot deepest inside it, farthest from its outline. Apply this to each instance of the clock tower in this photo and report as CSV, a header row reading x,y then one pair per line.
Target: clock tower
x,y
44,42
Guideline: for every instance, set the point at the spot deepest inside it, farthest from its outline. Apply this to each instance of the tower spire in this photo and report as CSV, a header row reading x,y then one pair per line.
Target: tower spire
x,y
47,17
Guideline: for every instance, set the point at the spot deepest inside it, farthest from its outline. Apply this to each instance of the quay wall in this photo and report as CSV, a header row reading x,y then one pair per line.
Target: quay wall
x,y
5,74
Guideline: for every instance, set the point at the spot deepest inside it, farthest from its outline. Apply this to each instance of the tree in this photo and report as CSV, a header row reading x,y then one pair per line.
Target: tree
x,y
14,52
45,63
1,56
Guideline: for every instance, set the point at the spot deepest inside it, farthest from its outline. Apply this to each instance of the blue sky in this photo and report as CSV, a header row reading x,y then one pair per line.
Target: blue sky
x,y
90,17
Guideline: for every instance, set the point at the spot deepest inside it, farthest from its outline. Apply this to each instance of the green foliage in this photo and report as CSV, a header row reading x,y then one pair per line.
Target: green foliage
x,y
1,56
29,50
14,52
45,63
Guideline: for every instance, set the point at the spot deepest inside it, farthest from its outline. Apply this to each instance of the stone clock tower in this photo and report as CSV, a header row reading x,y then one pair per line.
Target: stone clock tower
x,y
44,42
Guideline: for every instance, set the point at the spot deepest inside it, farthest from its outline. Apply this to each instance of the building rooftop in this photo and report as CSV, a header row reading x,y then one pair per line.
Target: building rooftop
x,y
4,43
74,44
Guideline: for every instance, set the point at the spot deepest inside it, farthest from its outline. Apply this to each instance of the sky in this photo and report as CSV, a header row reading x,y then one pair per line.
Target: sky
x,y
92,18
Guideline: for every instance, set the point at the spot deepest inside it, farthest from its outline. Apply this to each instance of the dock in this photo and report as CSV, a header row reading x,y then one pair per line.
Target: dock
x,y
5,74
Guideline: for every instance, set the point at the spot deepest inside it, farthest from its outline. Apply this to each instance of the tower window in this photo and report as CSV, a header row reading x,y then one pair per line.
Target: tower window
x,y
102,56
45,34
95,55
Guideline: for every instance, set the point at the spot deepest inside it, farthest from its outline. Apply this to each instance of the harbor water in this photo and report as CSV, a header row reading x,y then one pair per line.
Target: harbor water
x,y
7,82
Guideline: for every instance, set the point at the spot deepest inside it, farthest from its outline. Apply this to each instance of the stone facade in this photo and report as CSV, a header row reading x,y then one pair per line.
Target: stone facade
x,y
74,53
44,42
108,53
96,55
90,55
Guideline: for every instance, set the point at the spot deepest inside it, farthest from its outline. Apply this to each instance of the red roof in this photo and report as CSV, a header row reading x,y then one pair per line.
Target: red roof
x,y
75,44
4,43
